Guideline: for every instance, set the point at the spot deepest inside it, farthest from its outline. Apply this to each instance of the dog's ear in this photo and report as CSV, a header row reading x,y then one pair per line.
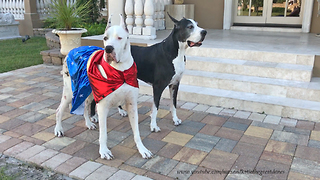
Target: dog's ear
x,y
176,22
122,23
109,23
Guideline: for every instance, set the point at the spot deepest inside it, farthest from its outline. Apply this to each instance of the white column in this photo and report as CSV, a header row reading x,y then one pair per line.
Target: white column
x,y
5,7
18,16
1,6
156,14
162,15
149,30
38,8
227,16
115,7
21,9
307,15
129,12
10,6
46,8
138,11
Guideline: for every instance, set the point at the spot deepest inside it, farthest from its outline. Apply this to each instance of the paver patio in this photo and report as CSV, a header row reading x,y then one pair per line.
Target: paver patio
x,y
211,142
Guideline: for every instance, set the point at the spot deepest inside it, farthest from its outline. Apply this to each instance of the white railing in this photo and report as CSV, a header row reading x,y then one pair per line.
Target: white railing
x,y
14,7
144,17
43,8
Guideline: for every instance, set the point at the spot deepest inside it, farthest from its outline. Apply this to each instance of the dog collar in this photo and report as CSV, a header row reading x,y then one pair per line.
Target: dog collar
x,y
102,87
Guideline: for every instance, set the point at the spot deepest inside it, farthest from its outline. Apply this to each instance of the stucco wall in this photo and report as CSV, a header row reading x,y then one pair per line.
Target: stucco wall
x,y
315,21
208,13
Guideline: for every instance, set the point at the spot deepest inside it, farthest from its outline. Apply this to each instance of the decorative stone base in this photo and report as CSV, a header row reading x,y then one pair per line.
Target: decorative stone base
x,y
9,31
142,37
41,32
149,31
52,56
137,30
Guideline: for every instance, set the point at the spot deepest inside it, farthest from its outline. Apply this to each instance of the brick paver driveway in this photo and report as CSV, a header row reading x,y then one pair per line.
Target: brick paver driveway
x,y
211,143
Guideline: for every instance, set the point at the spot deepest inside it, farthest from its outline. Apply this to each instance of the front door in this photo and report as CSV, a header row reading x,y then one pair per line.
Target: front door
x,y
268,12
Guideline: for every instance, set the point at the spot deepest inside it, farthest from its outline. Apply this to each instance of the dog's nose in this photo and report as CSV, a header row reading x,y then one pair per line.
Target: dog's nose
x,y
203,33
108,49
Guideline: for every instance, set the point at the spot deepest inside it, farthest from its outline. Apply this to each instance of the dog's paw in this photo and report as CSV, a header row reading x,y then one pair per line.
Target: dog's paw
x,y
154,128
58,131
177,122
123,113
145,153
106,154
95,118
91,125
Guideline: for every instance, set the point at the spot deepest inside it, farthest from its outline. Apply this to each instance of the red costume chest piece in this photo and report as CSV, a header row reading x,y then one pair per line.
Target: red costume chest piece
x,y
102,87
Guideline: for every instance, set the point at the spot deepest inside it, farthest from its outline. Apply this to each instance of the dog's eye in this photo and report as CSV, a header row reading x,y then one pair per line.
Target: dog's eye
x,y
119,38
190,27
105,38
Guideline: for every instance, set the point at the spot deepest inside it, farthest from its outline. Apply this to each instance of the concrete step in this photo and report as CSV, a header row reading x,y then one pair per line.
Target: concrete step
x,y
279,106
275,70
262,56
252,84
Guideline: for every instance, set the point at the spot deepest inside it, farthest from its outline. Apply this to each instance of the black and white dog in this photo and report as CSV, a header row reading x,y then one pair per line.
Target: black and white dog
x,y
163,64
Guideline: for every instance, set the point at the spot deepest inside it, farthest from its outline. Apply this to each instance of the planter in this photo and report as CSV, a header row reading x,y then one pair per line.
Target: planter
x,y
178,1
69,39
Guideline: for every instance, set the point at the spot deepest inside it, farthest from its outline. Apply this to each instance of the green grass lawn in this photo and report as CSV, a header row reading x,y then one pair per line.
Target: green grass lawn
x,y
14,54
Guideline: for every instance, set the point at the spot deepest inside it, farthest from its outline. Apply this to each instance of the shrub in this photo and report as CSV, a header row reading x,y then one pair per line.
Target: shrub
x,y
94,28
278,10
92,8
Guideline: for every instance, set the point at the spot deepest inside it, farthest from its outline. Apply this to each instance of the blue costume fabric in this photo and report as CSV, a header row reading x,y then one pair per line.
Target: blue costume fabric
x,y
77,65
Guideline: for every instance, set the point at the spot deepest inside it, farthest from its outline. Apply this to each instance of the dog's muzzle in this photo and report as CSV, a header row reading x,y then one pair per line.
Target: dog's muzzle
x,y
110,54
109,49
199,43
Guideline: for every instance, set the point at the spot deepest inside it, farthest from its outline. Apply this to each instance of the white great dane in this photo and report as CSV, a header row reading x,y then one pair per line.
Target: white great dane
x,y
118,55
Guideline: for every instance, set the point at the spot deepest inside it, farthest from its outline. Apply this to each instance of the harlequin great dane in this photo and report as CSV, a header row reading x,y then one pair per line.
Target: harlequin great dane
x,y
163,64
112,75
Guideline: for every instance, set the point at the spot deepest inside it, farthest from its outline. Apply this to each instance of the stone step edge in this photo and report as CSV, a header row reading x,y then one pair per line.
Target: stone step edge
x,y
241,102
263,56
251,63
312,85
251,68
265,86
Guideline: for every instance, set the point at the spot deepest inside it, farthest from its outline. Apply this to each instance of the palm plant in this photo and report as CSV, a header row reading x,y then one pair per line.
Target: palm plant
x,y
66,15
93,10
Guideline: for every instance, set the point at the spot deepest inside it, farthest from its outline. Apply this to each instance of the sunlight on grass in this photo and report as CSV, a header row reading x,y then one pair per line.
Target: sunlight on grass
x,y
14,54
4,176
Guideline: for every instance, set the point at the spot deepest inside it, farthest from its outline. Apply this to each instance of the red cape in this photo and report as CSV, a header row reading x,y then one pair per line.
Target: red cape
x,y
102,87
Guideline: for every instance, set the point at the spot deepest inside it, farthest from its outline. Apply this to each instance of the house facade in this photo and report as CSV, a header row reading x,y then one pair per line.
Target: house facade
x,y
275,15
301,15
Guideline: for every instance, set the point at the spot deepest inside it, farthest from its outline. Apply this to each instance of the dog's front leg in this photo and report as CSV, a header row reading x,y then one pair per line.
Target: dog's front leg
x,y
157,92
133,117
173,96
65,101
102,110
